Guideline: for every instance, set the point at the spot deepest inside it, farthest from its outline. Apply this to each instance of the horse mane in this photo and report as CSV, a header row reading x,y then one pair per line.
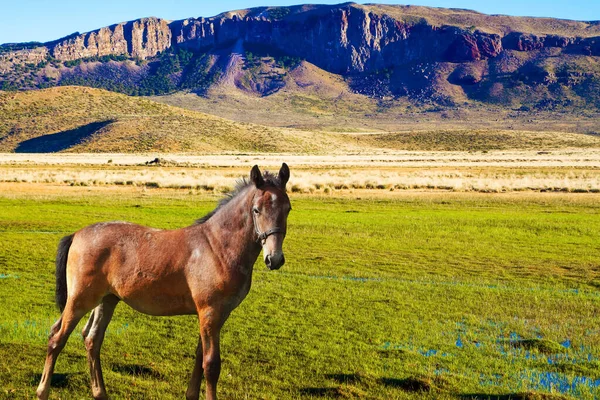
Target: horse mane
x,y
240,186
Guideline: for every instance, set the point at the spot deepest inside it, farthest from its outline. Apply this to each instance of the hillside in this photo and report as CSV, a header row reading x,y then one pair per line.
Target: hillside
x,y
78,119
312,99
444,57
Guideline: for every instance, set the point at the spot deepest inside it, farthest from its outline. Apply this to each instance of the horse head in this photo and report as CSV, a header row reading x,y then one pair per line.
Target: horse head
x,y
270,209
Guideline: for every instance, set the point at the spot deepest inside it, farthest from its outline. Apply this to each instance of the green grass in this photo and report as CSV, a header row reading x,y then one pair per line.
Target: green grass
x,y
411,296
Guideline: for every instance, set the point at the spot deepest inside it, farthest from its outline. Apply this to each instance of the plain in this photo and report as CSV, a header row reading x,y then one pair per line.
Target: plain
x,y
405,294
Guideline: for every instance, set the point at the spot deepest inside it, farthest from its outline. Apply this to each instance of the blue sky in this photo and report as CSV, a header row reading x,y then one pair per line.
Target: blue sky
x,y
44,20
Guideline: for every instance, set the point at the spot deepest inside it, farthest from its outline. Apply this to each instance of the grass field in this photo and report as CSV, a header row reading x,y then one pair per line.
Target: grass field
x,y
404,295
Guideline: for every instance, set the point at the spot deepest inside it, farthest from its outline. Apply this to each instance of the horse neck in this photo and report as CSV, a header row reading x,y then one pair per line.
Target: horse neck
x,y
232,231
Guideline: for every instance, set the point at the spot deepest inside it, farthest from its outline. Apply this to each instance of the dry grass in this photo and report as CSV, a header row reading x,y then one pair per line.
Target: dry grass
x,y
315,100
77,119
474,140
129,124
574,171
383,158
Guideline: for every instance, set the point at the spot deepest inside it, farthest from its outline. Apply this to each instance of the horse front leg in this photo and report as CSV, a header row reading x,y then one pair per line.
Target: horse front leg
x,y
193,390
211,360
211,321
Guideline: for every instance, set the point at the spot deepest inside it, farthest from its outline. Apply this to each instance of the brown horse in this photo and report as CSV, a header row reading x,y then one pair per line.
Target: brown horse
x,y
203,269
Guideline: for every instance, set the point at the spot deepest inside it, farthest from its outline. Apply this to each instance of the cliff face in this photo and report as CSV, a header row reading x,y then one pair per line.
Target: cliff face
x,y
143,38
344,39
351,39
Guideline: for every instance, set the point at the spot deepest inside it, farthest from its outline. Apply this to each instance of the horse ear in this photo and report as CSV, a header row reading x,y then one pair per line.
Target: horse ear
x,y
256,177
284,174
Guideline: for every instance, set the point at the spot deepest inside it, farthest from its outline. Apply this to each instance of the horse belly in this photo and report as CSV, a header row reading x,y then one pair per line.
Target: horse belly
x,y
156,294
161,305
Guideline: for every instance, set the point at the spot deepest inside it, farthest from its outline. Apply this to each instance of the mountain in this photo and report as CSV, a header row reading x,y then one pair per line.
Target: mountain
x,y
447,57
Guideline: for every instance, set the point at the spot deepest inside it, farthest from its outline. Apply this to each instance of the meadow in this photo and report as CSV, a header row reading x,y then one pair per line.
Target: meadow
x,y
401,294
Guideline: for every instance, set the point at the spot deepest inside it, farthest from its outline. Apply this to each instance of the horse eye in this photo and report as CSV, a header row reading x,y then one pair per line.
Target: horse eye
x,y
255,210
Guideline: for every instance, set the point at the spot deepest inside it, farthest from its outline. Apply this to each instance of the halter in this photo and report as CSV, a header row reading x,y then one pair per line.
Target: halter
x,y
262,236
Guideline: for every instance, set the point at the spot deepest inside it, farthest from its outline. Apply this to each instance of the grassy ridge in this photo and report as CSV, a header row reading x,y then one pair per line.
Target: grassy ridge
x,y
77,119
92,120
474,140
415,296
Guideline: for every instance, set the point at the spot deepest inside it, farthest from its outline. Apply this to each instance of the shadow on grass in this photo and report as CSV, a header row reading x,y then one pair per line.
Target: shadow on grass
x,y
136,370
58,380
344,378
354,384
513,396
60,140
408,384
544,346
320,391
345,390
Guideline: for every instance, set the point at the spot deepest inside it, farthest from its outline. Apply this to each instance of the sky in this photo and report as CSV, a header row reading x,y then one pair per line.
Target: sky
x,y
45,20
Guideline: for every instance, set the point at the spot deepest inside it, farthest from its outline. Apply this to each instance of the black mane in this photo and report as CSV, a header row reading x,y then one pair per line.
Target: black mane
x,y
240,185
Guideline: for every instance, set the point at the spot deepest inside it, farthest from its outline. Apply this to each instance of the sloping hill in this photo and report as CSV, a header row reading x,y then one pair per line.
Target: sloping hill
x,y
78,119
310,98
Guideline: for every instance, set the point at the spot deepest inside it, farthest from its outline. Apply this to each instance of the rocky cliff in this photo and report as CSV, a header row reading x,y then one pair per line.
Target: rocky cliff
x,y
143,39
458,47
343,39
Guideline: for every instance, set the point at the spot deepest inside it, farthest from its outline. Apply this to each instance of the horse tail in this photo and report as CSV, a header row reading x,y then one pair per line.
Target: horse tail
x,y
61,271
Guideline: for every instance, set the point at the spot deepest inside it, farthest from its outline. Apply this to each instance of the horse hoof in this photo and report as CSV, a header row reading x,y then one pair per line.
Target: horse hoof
x,y
42,394
192,396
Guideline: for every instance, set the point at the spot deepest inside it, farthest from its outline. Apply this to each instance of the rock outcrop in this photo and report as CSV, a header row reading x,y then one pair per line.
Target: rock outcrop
x,y
23,56
143,38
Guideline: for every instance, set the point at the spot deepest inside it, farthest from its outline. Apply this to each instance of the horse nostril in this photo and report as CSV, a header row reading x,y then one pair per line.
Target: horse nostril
x,y
268,261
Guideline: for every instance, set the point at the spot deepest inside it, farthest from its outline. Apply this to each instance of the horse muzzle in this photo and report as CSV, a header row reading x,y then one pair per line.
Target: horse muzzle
x,y
274,261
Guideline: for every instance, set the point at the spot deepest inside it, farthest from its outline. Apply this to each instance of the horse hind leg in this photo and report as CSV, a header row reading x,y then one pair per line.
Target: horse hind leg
x,y
59,334
88,325
93,335
55,328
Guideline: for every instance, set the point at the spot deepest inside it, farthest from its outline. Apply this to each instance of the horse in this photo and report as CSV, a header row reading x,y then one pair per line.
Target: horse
x,y
203,269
